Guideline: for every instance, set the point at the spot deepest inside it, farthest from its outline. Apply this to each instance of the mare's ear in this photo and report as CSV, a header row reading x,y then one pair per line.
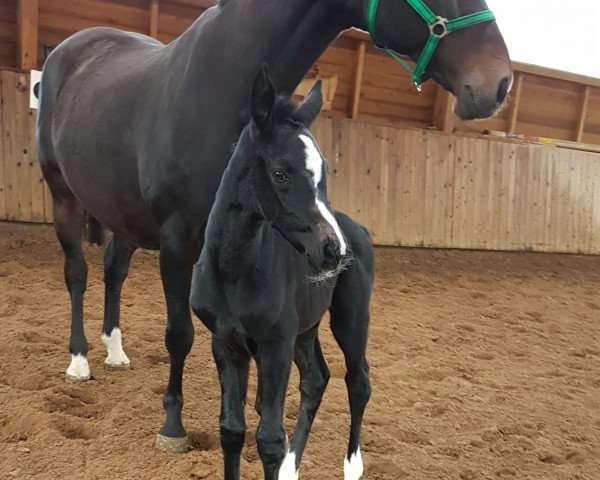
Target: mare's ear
x,y
263,97
310,108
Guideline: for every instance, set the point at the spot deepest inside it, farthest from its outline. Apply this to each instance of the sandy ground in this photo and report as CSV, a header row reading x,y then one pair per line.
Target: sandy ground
x,y
484,366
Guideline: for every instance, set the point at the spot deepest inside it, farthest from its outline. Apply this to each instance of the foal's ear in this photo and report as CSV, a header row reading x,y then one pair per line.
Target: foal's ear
x,y
310,108
263,97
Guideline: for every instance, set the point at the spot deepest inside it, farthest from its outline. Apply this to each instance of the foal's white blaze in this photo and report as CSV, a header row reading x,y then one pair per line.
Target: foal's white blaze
x,y
353,466
114,346
79,369
288,467
314,164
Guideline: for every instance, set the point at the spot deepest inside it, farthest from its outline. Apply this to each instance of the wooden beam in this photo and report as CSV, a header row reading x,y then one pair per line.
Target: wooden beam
x,y
358,77
582,116
515,101
154,9
443,119
27,34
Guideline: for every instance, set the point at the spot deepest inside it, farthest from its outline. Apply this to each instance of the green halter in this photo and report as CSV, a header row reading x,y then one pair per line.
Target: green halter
x,y
439,27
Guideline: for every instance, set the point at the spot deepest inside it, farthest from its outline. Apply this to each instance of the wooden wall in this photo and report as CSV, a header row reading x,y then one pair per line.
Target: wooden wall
x,y
23,193
424,188
544,103
409,187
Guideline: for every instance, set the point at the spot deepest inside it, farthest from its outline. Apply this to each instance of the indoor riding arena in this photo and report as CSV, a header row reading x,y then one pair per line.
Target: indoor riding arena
x,y
484,341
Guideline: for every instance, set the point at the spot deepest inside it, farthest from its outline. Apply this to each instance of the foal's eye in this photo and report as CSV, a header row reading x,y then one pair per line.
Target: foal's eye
x,y
279,176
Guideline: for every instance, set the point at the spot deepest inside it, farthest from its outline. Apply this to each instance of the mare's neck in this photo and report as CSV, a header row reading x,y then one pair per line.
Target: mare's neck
x,y
288,35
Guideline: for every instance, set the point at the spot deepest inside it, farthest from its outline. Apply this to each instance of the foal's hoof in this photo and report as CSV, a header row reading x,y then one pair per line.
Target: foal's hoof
x,y
75,378
79,369
172,444
117,367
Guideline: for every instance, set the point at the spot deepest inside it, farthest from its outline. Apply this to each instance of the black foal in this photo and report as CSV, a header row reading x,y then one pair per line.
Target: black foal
x,y
275,259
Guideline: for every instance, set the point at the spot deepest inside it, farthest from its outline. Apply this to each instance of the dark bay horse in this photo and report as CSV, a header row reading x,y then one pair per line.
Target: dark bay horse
x,y
275,259
138,134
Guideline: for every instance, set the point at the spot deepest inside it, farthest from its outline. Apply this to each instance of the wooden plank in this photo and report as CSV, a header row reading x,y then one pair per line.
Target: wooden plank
x,y
27,34
154,15
3,187
37,181
21,148
358,79
443,116
10,146
582,116
555,74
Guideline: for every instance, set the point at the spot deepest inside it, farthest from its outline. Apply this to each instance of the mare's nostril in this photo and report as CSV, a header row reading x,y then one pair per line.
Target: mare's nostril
x,y
502,90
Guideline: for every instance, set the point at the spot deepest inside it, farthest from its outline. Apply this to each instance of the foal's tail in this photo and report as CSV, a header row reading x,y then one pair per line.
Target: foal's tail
x,y
95,231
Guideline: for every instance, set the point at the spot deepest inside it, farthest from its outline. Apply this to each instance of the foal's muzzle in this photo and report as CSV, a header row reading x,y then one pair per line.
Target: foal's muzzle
x,y
332,256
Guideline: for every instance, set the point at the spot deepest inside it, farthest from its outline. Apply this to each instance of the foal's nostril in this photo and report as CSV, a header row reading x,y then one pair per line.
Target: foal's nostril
x,y
502,90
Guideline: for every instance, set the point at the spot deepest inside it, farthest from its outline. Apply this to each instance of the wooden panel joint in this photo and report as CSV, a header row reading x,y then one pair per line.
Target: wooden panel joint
x,y
443,116
358,78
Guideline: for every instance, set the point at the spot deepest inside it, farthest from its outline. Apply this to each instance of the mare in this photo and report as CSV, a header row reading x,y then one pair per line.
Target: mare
x,y
275,259
137,134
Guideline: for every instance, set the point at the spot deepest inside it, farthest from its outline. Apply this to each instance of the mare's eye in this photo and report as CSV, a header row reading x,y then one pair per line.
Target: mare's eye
x,y
279,176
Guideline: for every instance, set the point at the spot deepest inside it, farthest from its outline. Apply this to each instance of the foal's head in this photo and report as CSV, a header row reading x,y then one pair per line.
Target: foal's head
x,y
292,176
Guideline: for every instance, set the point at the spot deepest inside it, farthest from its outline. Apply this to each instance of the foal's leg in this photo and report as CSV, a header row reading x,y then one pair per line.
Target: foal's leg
x,y
233,375
314,376
116,265
178,251
350,324
274,364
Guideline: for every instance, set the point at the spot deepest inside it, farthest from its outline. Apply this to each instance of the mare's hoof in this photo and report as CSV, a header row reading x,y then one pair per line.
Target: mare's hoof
x,y
172,444
117,367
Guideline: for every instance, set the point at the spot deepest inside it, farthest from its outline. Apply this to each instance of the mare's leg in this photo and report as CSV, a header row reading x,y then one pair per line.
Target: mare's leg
x,y
314,376
116,265
274,362
349,324
68,223
233,375
178,251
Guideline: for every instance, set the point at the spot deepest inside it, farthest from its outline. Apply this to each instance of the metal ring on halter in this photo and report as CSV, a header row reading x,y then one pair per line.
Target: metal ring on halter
x,y
441,22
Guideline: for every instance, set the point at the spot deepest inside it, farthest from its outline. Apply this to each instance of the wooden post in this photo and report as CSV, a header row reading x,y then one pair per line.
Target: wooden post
x,y
443,116
515,100
154,8
27,34
358,76
583,114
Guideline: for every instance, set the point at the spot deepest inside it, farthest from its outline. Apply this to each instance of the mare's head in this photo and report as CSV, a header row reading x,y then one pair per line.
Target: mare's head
x,y
291,176
471,61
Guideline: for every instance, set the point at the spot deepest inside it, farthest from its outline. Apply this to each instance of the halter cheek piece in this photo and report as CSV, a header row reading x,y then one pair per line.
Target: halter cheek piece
x,y
439,27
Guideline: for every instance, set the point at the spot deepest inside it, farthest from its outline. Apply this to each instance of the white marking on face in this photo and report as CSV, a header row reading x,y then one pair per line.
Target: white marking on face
x,y
314,160
353,466
314,164
79,369
113,343
288,467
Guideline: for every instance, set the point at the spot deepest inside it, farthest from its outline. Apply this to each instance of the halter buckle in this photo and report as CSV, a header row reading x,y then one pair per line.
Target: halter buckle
x,y
440,22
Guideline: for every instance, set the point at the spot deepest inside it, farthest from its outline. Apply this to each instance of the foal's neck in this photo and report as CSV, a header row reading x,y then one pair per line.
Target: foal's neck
x,y
238,230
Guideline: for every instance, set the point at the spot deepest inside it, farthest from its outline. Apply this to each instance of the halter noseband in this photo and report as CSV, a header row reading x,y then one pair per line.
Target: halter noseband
x,y
439,27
